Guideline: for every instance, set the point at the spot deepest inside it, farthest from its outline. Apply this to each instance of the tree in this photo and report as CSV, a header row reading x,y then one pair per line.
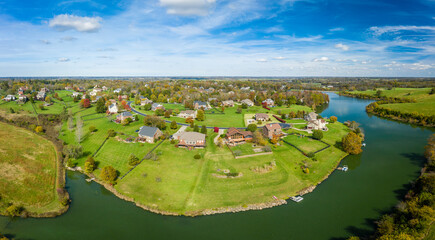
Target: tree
x,y
196,128
258,138
108,174
47,99
41,106
317,134
200,116
174,125
333,119
244,106
220,142
14,210
204,129
39,129
111,133
73,151
432,91
252,127
378,93
90,165
275,139
92,129
159,112
100,106
352,143
133,160
167,114
239,110
147,107
79,129
85,103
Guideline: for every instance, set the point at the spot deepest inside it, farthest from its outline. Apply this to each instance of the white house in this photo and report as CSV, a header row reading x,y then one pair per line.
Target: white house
x,y
248,102
310,117
75,94
118,90
9,98
228,103
113,108
318,124
269,102
187,114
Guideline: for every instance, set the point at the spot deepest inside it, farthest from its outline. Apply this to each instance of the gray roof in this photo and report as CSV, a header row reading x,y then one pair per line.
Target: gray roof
x,y
192,136
126,114
147,131
200,103
156,105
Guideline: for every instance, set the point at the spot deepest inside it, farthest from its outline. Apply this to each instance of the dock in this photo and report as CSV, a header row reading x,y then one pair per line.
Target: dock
x,y
297,198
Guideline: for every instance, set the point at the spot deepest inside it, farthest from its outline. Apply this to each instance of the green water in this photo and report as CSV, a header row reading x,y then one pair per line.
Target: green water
x,y
344,205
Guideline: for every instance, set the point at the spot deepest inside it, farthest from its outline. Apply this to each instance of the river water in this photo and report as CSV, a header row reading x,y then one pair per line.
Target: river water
x,y
343,205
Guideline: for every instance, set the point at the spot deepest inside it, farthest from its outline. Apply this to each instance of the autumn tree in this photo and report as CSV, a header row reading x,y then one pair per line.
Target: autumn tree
x,y
90,165
85,103
352,143
333,119
258,138
174,125
108,174
200,116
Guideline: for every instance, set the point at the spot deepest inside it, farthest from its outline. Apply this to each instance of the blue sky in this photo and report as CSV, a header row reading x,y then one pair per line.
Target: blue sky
x,y
394,38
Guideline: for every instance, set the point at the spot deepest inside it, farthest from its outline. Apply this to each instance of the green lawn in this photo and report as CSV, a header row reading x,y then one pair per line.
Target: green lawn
x,y
425,103
306,144
28,171
245,149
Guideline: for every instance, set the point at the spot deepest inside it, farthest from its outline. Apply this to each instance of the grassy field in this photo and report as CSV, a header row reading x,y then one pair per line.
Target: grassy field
x,y
28,172
305,144
425,103
230,118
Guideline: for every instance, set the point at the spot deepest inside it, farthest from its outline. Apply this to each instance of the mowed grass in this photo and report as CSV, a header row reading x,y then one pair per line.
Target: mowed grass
x,y
306,144
27,170
181,184
425,102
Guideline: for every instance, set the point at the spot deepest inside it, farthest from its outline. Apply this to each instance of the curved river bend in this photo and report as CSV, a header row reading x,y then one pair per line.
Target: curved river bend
x,y
342,206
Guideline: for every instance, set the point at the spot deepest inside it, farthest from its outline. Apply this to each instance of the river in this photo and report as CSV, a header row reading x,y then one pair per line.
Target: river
x,y
345,204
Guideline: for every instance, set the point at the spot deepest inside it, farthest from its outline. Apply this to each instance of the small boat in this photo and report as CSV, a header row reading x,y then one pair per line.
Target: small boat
x,y
90,179
297,198
344,168
363,144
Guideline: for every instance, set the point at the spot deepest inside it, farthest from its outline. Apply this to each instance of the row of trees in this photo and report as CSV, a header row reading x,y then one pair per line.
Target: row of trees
x,y
414,117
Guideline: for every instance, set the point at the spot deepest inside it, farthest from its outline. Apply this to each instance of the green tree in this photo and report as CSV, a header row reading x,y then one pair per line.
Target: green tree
x,y
133,160
352,143
90,165
100,106
174,125
200,116
167,114
252,127
204,129
196,128
14,210
378,93
108,174
318,134
73,151
239,110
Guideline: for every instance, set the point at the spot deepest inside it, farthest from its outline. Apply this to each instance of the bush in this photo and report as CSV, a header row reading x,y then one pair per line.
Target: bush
x,y
111,133
73,151
133,160
197,156
310,155
90,165
39,129
108,174
252,127
267,149
92,129
14,211
318,134
333,119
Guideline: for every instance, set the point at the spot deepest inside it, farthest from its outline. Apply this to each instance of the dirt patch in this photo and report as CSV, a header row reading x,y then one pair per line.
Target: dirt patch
x,y
12,172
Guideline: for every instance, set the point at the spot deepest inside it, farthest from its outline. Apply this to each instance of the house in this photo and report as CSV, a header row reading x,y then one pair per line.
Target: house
x,y
156,106
318,124
118,90
104,88
68,88
235,135
272,129
41,96
245,88
75,94
124,115
81,89
44,89
228,103
113,108
9,98
262,117
248,102
149,134
310,117
191,140
22,98
200,105
188,114
268,102
96,99
144,101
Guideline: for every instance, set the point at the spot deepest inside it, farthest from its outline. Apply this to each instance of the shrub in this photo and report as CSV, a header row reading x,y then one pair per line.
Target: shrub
x,y
252,127
197,156
39,129
108,174
111,133
306,170
133,160
14,210
73,151
92,129
310,154
318,134
267,149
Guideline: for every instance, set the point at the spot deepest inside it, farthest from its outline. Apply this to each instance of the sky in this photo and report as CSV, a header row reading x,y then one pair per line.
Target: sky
x,y
370,38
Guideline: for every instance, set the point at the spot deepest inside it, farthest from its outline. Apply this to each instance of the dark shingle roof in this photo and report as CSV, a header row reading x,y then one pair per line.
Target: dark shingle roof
x,y
126,114
147,131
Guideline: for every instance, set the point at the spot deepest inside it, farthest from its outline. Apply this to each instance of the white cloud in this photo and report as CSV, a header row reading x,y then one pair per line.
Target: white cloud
x,y
338,29
322,59
66,22
262,60
279,58
342,46
63,60
395,29
187,7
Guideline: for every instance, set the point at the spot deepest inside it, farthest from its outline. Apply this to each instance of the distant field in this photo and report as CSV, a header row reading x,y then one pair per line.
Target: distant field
x,y
425,103
28,171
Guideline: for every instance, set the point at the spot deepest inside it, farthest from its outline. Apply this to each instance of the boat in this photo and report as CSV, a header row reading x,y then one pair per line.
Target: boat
x,y
363,144
297,198
90,179
344,168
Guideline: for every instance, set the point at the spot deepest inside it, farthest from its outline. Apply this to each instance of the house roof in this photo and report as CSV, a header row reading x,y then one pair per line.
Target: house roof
x,y
231,131
126,114
312,115
156,105
188,112
272,126
261,115
112,105
247,101
148,131
192,136
200,103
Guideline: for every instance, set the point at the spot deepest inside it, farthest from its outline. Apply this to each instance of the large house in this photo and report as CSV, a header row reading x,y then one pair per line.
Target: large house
x,y
268,102
9,98
228,103
75,94
318,124
272,129
124,115
149,134
235,135
188,114
310,117
144,101
41,95
200,105
118,90
262,117
156,106
113,108
22,98
248,102
191,140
